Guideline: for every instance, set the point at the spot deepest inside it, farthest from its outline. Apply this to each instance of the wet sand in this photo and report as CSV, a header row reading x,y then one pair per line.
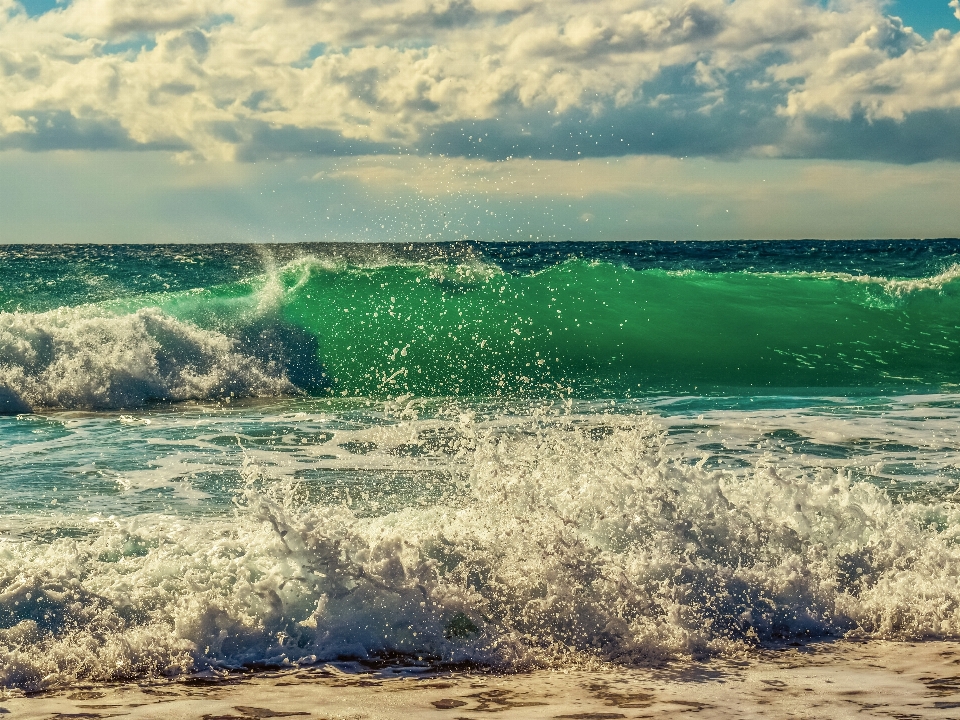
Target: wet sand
x,y
826,680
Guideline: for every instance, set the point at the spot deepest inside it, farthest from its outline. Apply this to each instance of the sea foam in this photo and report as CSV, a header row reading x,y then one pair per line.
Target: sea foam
x,y
561,545
84,358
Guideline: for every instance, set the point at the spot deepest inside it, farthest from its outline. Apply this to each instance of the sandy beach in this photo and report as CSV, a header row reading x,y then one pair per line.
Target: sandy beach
x,y
824,680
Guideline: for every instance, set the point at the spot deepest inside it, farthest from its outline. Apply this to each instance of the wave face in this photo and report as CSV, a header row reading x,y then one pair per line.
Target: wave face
x,y
503,321
555,542
595,328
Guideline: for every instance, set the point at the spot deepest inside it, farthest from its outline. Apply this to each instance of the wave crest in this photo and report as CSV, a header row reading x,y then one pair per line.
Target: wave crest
x,y
893,286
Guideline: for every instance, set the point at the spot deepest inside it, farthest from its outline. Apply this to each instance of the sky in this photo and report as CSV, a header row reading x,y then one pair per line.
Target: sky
x,y
412,120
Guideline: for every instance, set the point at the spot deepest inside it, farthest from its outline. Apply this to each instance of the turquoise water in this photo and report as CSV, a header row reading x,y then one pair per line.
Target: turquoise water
x,y
512,455
120,327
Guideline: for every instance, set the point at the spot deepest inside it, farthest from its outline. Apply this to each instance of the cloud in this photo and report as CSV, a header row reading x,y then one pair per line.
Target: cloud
x,y
60,130
921,136
730,183
251,79
885,73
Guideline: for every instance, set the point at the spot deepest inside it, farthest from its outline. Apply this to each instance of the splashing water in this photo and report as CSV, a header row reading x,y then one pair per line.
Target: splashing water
x,y
554,542
513,458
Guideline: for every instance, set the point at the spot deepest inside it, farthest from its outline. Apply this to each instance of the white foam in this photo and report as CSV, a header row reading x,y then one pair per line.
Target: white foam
x,y
894,286
557,548
86,358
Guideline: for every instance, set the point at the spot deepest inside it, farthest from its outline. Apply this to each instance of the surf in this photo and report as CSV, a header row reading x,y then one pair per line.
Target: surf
x,y
561,541
446,328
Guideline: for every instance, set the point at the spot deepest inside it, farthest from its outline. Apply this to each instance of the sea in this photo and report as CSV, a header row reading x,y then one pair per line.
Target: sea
x,y
223,458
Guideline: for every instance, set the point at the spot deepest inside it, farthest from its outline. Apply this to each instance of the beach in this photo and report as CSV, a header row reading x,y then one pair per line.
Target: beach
x,y
845,679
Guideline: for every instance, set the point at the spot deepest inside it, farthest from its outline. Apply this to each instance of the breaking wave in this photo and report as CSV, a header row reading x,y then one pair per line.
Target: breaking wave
x,y
558,546
82,358
468,329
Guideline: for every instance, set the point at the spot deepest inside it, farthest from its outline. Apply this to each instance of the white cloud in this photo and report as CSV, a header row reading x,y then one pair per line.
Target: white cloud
x,y
208,75
884,73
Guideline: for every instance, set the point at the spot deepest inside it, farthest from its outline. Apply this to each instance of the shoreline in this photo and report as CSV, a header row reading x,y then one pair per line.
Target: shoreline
x,y
841,679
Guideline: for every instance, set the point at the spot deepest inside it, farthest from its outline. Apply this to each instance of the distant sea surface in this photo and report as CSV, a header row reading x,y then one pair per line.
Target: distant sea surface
x,y
216,457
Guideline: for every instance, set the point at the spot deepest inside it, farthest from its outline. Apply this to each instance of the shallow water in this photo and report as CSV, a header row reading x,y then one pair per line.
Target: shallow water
x,y
314,454
846,679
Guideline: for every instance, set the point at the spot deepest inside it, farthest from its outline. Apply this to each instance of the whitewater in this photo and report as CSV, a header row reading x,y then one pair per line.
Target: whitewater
x,y
491,456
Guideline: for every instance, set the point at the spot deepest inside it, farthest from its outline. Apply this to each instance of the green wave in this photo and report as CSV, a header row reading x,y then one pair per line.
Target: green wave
x,y
599,329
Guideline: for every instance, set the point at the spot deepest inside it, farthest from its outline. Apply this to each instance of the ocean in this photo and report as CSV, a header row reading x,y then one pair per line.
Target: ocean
x,y
219,458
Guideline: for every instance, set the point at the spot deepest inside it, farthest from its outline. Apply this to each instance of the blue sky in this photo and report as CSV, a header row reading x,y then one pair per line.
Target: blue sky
x,y
203,120
925,16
